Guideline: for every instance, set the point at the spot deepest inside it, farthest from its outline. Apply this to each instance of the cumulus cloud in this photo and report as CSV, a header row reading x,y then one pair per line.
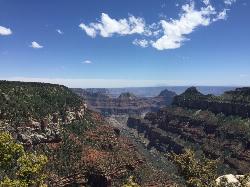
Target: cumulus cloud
x,y
5,31
164,34
87,62
142,43
36,45
59,31
89,31
175,31
107,26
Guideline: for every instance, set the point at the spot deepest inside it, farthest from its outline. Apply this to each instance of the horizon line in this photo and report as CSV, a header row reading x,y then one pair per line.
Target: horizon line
x,y
116,83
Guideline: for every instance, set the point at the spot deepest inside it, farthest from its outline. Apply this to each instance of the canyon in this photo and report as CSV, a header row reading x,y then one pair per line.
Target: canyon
x,y
126,103
217,126
82,147
113,138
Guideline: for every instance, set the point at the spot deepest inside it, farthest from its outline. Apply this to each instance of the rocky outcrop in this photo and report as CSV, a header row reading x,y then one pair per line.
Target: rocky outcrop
x,y
233,180
34,136
33,132
230,103
127,103
127,96
35,113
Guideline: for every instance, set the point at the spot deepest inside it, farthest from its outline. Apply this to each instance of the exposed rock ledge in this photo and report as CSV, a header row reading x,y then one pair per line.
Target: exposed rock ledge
x,y
47,130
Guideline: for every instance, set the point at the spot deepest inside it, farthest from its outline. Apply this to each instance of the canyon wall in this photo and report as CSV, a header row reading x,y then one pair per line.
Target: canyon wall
x,y
126,104
218,128
230,103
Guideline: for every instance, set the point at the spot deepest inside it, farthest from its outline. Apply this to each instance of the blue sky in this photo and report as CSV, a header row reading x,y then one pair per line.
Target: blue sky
x,y
111,43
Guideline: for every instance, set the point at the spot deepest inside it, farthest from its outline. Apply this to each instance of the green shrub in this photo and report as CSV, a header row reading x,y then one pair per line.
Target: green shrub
x,y
17,167
130,182
196,172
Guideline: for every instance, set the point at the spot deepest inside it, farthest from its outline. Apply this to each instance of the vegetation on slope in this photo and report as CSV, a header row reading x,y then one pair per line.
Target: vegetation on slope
x,y
239,95
234,126
202,172
20,100
65,158
18,167
88,151
197,172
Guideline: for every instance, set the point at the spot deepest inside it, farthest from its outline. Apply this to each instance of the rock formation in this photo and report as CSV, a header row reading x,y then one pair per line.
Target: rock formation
x,y
230,103
202,122
127,103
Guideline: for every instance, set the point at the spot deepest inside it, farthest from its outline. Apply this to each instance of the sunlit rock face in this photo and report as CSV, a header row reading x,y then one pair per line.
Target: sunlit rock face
x,y
126,103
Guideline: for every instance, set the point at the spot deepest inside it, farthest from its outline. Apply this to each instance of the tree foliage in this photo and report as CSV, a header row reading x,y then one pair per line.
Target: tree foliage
x,y
197,172
18,167
203,172
130,182
20,100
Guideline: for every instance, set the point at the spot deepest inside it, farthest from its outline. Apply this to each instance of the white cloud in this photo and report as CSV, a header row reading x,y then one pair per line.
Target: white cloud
x,y
222,15
142,43
229,2
36,45
107,26
175,31
153,30
162,35
206,2
87,62
89,31
5,31
59,31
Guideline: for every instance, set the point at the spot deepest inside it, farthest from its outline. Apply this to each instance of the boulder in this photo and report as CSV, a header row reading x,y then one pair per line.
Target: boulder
x,y
232,179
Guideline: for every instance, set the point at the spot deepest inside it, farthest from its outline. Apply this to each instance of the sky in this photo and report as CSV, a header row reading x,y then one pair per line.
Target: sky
x,y
116,43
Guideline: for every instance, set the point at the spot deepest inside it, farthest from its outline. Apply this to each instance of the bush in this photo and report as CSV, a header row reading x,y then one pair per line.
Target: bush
x,y
17,167
131,183
197,172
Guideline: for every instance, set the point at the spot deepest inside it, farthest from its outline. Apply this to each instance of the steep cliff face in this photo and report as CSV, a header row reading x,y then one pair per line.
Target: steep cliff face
x,y
230,103
127,103
217,135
